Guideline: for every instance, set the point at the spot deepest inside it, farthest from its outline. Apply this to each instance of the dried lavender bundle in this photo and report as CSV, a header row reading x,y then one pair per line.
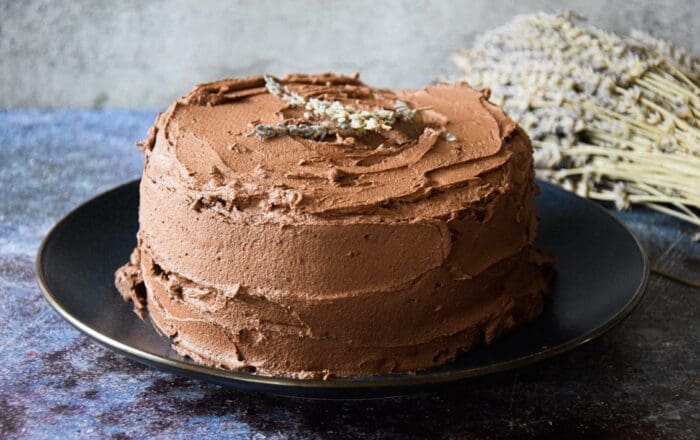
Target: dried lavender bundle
x,y
611,118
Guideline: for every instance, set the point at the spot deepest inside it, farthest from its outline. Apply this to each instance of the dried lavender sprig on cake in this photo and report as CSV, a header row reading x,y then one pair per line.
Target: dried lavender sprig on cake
x,y
334,116
611,118
307,131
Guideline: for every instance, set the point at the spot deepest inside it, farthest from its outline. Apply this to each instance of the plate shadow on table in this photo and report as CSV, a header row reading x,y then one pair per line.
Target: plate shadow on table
x,y
573,395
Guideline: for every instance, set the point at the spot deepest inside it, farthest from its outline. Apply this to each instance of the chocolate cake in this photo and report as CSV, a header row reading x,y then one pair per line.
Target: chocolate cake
x,y
313,226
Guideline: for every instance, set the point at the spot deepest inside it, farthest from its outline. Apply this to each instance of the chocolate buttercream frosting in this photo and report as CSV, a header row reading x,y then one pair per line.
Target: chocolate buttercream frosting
x,y
363,253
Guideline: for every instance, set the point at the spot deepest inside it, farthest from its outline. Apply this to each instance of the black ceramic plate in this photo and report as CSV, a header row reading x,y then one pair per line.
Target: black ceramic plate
x,y
601,274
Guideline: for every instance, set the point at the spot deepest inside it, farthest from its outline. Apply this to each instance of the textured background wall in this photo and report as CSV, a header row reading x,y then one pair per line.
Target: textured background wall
x,y
132,53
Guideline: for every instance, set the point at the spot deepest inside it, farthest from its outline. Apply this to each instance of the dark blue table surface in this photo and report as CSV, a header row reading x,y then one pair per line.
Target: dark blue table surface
x,y
642,380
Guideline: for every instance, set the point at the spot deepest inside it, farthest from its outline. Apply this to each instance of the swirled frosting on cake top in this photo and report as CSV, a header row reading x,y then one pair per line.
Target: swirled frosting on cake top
x,y
367,251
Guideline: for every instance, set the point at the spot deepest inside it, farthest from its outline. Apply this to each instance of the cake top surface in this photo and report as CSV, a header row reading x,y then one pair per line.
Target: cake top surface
x,y
452,138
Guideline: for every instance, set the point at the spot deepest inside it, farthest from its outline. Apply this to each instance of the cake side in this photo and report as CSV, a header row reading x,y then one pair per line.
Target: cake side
x,y
386,251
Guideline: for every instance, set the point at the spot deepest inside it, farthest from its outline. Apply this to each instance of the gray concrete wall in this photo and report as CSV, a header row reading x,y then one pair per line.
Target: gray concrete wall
x,y
131,53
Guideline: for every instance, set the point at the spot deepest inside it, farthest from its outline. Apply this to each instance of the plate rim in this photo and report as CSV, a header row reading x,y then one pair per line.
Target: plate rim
x,y
400,380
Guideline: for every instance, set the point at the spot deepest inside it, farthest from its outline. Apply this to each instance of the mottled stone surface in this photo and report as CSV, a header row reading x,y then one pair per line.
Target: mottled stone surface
x,y
642,380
